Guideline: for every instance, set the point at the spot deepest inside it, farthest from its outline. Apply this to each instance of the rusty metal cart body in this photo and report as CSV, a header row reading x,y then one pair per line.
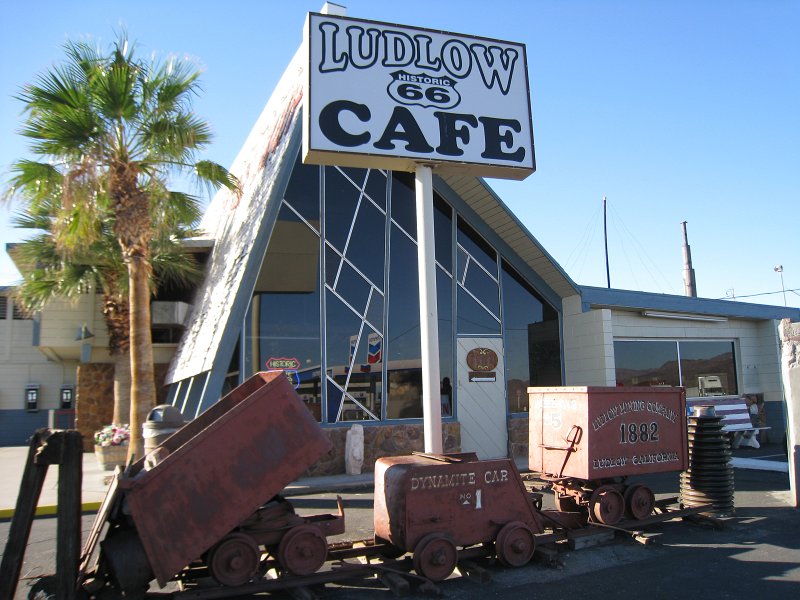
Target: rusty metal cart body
x,y
431,504
588,440
213,494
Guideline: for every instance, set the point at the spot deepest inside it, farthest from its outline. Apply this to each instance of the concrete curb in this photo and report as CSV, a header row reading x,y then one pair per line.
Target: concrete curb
x,y
49,510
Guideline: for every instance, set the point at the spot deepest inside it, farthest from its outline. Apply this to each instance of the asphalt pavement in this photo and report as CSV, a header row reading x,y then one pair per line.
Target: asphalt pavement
x,y
756,553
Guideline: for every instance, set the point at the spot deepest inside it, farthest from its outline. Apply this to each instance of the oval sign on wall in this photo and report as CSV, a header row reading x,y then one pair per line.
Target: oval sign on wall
x,y
482,359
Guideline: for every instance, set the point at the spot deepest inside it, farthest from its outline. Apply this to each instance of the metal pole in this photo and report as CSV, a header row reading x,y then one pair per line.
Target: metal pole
x,y
779,269
428,314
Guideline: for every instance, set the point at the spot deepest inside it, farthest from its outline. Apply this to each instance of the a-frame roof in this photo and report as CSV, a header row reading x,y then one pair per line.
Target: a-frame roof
x,y
241,228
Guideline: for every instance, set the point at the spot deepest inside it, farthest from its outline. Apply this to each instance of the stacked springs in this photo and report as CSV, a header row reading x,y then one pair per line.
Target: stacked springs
x,y
709,478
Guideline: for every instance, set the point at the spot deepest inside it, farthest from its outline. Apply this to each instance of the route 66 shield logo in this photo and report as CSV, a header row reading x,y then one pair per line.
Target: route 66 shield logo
x,y
428,91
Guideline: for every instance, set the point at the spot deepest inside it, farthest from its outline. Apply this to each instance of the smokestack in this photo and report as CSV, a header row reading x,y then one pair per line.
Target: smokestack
x,y
689,283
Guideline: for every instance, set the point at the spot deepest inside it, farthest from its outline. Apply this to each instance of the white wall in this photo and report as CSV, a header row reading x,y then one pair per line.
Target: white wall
x,y
21,364
588,345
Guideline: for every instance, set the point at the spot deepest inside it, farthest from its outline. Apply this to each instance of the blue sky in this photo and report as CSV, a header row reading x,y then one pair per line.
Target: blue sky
x,y
674,110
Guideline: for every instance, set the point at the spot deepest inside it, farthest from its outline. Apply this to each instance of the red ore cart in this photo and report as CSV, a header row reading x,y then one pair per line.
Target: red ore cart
x,y
587,441
208,497
432,504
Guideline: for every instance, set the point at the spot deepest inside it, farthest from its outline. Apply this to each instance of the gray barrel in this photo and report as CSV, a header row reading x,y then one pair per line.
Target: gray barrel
x,y
162,422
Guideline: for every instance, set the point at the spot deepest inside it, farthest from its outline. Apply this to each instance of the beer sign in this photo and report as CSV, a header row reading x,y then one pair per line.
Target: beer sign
x,y
391,96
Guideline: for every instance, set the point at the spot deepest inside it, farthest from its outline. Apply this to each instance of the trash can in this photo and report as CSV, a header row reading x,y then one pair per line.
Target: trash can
x,y
162,422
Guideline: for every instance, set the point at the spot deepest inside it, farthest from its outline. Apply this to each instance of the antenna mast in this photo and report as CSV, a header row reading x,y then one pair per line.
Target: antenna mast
x,y
689,283
605,238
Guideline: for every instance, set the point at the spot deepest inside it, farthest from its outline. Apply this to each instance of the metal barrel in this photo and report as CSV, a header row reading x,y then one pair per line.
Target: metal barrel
x,y
709,476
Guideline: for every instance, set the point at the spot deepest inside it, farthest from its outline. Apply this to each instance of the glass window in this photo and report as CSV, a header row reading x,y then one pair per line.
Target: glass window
x,y
282,321
353,288
341,199
477,247
705,368
443,232
404,205
531,338
483,288
708,368
303,192
473,319
342,329
363,399
444,309
646,363
404,390
376,187
332,261
366,247
375,311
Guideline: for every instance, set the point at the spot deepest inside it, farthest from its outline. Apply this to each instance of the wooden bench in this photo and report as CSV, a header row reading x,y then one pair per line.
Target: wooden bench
x,y
736,418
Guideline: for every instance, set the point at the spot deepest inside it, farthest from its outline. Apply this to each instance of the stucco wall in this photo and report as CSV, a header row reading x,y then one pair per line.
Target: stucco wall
x,y
588,345
21,363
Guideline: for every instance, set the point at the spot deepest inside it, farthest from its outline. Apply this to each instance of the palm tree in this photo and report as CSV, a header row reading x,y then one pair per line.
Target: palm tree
x,y
49,272
112,130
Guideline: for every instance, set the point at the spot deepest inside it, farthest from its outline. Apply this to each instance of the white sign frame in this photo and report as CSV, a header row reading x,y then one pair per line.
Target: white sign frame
x,y
381,95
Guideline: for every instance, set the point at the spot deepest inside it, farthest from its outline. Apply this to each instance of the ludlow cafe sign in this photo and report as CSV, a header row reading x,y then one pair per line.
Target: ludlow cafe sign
x,y
386,96
390,96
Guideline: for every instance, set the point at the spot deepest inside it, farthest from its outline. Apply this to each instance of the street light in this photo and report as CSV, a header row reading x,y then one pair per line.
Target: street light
x,y
779,269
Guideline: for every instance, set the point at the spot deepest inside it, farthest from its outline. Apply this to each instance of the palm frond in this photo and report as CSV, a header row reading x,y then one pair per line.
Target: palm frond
x,y
217,176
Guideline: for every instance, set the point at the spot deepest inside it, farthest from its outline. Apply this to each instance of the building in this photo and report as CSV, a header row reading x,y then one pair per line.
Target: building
x,y
711,347
313,271
36,391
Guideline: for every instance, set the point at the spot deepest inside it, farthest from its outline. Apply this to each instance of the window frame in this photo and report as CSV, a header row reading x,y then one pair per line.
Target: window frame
x,y
677,342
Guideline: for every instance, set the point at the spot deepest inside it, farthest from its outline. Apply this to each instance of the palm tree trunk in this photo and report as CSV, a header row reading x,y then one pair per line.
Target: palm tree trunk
x,y
122,388
143,392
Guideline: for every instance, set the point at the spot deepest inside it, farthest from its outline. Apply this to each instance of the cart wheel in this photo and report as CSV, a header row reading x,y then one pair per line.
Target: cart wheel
x,y
607,505
234,560
303,550
515,544
435,557
565,503
640,501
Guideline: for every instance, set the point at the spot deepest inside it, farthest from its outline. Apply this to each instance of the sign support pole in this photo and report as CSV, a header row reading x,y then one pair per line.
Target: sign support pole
x,y
428,312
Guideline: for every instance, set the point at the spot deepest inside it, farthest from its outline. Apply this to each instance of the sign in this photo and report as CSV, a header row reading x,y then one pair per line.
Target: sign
x,y
390,96
276,364
482,359
482,362
289,367
375,348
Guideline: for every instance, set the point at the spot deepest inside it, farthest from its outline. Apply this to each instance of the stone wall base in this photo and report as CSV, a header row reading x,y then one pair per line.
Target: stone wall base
x,y
94,397
379,441
518,436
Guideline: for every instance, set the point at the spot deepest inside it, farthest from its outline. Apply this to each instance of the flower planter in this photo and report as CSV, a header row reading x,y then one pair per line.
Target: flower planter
x,y
108,457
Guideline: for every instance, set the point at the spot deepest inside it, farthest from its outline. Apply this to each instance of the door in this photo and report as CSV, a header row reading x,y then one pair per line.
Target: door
x,y
482,396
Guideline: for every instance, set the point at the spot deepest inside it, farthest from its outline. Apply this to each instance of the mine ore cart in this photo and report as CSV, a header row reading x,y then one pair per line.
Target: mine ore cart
x,y
207,500
588,441
432,504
